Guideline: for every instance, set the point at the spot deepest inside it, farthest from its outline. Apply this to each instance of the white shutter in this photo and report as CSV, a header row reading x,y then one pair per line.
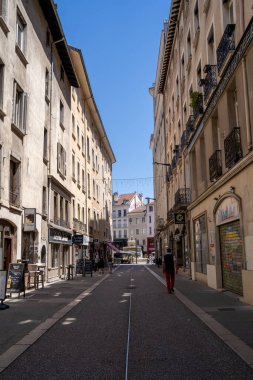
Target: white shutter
x,y
58,156
65,164
24,112
14,102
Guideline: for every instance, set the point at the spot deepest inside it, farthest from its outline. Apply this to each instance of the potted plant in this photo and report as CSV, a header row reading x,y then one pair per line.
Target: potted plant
x,y
196,101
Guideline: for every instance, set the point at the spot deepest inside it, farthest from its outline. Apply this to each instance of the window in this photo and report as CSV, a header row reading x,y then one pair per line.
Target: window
x,y
78,134
61,160
88,185
150,231
1,82
88,149
73,125
14,196
93,188
210,47
119,213
93,159
196,16
125,212
66,210
21,33
83,145
44,200
151,208
137,242
19,108
45,144
119,234
201,244
61,114
114,234
137,231
78,174
73,166
47,84
130,220
150,219
54,255
74,209
83,181
189,51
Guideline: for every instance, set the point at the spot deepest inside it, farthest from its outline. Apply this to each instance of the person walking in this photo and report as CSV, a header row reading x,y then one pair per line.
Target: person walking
x,y
169,270
101,265
96,262
110,263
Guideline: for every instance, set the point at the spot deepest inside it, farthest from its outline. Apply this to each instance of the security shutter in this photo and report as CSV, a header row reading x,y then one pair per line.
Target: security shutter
x,y
231,256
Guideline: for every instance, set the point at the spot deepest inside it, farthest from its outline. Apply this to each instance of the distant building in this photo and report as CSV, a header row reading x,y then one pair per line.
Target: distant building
x,y
121,206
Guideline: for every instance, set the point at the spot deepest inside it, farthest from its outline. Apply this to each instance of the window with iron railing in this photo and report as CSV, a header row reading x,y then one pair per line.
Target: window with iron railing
x,y
233,147
226,45
215,165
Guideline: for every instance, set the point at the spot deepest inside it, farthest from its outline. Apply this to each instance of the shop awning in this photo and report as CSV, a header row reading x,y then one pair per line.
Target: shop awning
x,y
112,247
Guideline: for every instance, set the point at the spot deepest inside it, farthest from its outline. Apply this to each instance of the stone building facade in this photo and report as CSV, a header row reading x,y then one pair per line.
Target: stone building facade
x,y
38,83
205,80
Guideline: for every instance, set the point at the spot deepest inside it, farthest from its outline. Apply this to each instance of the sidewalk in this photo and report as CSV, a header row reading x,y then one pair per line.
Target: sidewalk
x,y
222,312
30,317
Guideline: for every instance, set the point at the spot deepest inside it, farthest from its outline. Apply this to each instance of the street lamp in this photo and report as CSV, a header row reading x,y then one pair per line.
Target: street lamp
x,y
161,163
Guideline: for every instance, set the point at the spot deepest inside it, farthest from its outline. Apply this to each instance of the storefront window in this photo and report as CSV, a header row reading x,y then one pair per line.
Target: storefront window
x,y
54,255
201,245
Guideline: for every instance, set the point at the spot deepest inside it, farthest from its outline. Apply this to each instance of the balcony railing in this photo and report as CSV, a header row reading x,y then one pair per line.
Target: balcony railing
x,y
215,165
61,222
183,197
226,45
210,80
198,109
14,198
233,147
79,226
190,124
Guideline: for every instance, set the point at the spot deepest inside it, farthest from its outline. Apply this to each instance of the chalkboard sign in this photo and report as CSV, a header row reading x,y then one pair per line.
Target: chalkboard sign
x,y
15,281
79,266
88,267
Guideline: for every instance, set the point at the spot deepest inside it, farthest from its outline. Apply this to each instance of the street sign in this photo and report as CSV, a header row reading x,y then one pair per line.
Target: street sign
x,y
179,217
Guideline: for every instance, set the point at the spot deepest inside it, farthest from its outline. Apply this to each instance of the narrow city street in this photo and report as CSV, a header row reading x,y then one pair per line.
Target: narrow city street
x,y
127,327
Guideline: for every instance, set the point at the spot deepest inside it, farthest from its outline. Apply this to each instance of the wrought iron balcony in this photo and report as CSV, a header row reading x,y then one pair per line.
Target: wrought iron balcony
x,y
182,197
199,108
215,165
233,148
210,80
226,45
184,139
190,124
61,222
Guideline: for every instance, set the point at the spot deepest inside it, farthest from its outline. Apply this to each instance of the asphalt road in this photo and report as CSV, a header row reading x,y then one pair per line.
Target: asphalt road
x,y
129,327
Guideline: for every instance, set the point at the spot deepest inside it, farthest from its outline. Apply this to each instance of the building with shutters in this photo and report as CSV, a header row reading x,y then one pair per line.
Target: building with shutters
x,y
53,182
204,89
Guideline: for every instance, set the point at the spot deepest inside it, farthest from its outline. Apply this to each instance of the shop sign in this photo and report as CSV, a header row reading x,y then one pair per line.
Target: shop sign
x,y
80,240
29,219
60,237
227,211
179,217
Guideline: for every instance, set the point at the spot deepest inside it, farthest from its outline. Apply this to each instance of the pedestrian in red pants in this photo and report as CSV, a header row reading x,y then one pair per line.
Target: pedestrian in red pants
x,y
169,270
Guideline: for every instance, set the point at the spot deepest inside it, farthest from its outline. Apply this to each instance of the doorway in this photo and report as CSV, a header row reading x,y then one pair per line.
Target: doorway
x,y
7,252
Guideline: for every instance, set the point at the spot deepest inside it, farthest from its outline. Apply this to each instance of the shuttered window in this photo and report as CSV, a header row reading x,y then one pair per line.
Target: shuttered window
x,y
19,115
61,160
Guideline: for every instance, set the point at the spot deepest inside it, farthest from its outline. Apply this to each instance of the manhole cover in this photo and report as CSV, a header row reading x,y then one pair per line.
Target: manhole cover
x,y
226,309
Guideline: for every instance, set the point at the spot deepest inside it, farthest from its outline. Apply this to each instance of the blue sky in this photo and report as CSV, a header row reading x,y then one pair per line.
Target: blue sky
x,y
120,41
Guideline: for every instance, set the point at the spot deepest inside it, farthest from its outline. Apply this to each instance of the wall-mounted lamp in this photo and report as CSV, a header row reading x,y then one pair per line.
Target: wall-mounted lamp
x,y
216,199
232,189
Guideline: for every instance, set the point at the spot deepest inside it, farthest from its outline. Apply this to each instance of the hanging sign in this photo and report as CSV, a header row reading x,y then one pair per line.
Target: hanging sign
x,y
29,219
179,217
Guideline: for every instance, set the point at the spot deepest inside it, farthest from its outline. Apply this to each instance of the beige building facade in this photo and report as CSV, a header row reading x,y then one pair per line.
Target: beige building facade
x,y
205,79
44,198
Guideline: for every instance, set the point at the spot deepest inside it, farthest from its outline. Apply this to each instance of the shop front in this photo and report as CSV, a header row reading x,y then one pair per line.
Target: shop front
x,y
60,253
231,244
7,243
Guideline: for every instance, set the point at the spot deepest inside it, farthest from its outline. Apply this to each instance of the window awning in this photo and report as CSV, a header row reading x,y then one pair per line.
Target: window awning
x,y
113,248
